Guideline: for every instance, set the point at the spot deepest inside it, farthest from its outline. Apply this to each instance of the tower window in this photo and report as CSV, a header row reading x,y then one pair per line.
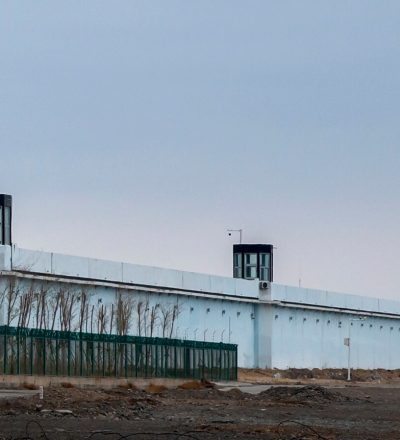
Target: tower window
x,y
250,266
1,225
265,267
7,225
237,265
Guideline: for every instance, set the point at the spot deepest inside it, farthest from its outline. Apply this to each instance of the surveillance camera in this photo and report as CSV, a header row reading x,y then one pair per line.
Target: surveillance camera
x,y
229,234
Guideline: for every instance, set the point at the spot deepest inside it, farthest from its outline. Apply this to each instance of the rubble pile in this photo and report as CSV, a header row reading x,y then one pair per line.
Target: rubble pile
x,y
306,394
116,404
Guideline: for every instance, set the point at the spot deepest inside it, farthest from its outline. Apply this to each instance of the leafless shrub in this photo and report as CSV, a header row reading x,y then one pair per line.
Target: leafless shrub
x,y
9,296
83,317
123,312
25,306
68,300
102,319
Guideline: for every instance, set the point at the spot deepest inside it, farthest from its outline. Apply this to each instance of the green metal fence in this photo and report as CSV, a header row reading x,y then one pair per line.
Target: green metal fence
x,y
56,353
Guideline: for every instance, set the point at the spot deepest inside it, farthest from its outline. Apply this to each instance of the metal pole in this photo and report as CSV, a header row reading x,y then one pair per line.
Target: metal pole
x,y
348,357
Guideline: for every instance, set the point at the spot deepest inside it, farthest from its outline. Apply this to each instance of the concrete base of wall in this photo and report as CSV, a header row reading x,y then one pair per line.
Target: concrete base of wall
x,y
14,381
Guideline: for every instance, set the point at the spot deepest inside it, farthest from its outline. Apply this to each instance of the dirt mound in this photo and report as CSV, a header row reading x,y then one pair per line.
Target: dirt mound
x,y
155,388
307,375
192,385
234,393
77,402
307,394
196,385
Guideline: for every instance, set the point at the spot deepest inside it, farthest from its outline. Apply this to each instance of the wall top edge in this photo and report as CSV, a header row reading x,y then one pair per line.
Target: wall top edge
x,y
51,263
326,298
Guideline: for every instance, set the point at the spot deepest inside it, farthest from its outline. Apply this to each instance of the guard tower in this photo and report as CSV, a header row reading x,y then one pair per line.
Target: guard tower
x,y
252,261
5,219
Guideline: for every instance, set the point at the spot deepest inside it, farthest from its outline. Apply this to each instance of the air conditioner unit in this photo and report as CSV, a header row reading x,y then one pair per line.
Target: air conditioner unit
x,y
264,285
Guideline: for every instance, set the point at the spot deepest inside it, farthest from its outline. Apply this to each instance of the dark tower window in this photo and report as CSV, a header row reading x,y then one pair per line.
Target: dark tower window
x,y
250,266
5,219
265,266
252,261
1,224
237,265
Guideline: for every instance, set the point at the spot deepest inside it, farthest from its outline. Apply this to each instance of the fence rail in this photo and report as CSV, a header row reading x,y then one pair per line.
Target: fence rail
x,y
56,353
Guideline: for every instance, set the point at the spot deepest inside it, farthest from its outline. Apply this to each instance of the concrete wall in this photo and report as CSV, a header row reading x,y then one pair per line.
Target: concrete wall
x,y
72,266
325,298
213,319
280,327
315,339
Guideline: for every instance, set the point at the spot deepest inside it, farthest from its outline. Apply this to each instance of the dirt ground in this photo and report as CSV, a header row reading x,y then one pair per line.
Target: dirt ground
x,y
201,413
328,375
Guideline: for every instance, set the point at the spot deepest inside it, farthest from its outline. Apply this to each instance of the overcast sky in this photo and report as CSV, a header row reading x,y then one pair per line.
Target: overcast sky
x,y
142,130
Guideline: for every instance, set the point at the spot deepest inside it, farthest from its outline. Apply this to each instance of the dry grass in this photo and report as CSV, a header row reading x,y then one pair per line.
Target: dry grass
x,y
127,386
155,389
67,385
192,385
30,386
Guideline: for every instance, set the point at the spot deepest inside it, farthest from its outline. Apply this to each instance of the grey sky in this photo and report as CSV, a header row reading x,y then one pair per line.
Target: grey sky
x,y
141,130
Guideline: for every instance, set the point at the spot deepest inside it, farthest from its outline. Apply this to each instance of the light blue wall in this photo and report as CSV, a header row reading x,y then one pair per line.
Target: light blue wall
x,y
67,265
280,327
314,339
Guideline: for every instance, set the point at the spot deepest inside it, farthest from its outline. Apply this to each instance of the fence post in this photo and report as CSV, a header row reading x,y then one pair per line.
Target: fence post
x,y
204,361
44,355
220,361
80,355
104,360
18,342
57,354
236,364
31,353
115,359
175,361
69,355
5,351
92,357
126,359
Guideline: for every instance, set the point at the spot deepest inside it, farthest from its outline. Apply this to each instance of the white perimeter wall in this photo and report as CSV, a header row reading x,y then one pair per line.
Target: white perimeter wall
x,y
199,318
270,327
314,339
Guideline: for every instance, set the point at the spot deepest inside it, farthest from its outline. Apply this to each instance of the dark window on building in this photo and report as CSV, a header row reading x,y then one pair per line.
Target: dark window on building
x,y
265,267
1,225
250,266
7,225
237,266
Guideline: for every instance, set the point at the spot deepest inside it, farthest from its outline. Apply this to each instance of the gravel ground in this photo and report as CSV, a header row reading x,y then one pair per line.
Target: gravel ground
x,y
310,412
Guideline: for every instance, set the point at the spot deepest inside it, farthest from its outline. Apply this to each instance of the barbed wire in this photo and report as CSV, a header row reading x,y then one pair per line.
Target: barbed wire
x,y
304,432
301,434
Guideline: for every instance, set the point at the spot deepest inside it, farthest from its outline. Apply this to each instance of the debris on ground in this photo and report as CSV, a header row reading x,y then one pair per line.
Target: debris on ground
x,y
195,411
257,375
306,394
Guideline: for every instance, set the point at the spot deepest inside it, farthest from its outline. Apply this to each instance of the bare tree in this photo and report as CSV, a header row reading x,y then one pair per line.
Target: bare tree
x,y
176,310
54,306
123,312
25,307
41,307
10,295
153,319
102,319
140,310
83,310
68,300
166,317
91,318
169,315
